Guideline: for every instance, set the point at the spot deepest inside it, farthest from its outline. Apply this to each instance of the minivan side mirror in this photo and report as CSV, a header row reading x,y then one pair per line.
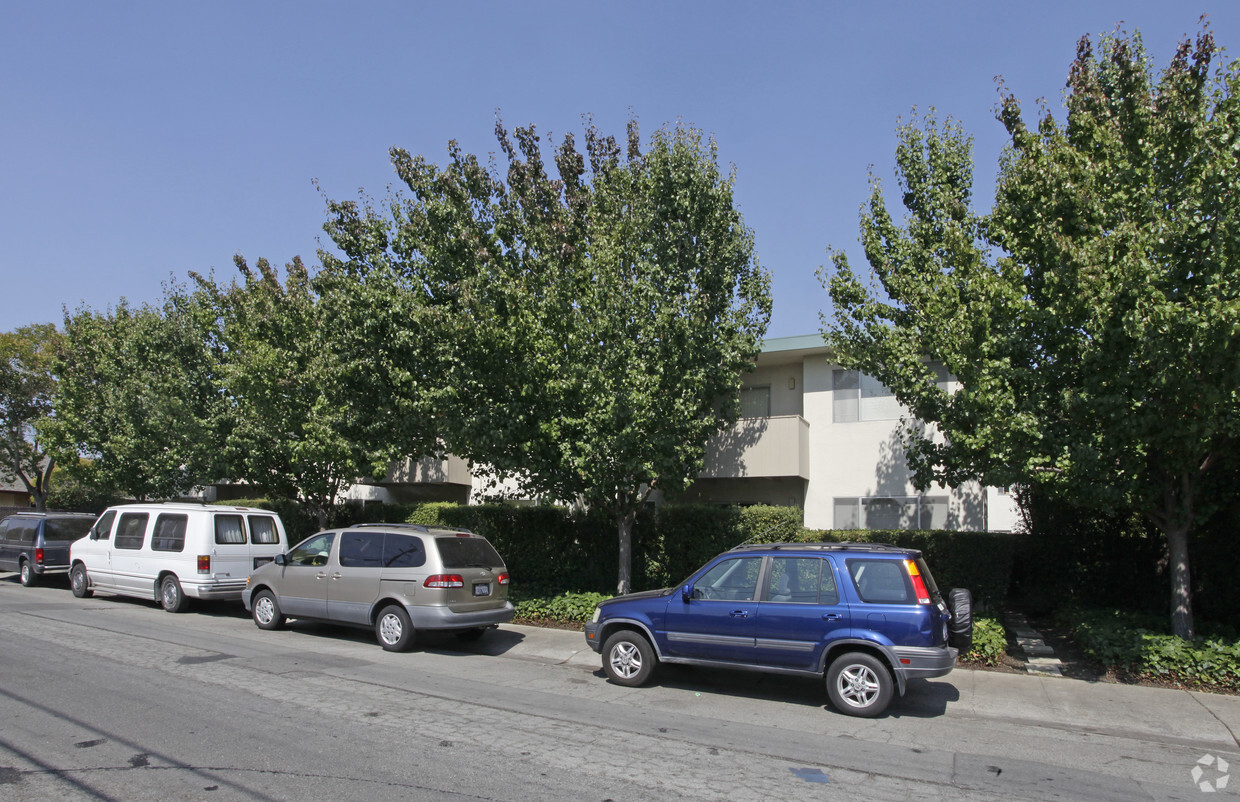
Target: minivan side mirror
x,y
280,559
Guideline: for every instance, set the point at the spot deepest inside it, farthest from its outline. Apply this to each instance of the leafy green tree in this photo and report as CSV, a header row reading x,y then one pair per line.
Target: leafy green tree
x,y
1091,317
300,426
27,394
137,399
583,334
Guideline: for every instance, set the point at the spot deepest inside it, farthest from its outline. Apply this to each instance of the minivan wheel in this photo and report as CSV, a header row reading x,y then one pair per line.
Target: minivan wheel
x,y
80,582
171,596
859,684
28,575
393,628
267,613
628,658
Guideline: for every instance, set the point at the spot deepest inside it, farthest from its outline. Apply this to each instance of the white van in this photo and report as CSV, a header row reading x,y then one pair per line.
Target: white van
x,y
170,552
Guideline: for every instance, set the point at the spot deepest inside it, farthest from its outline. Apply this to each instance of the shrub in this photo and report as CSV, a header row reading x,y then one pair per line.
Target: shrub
x,y
989,642
567,607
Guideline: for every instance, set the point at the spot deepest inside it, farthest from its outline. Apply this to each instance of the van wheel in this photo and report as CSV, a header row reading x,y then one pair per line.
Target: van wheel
x,y
859,684
394,629
267,613
628,658
171,596
28,576
80,582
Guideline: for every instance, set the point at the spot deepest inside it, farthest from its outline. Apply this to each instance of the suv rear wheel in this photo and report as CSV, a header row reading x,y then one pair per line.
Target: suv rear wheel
x,y
27,574
859,684
628,658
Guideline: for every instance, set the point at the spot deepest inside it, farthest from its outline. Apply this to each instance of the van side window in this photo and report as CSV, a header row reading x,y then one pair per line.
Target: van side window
x,y
169,532
131,530
361,549
103,528
229,529
263,529
312,552
403,551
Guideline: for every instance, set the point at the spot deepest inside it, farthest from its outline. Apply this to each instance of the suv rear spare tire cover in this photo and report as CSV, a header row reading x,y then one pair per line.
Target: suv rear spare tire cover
x,y
960,604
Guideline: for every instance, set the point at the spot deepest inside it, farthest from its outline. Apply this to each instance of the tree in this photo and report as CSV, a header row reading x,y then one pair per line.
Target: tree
x,y
1091,317
586,334
27,393
300,426
137,399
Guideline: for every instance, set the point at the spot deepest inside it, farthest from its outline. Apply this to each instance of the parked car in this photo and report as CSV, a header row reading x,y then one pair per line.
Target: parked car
x,y
866,617
174,552
36,544
394,578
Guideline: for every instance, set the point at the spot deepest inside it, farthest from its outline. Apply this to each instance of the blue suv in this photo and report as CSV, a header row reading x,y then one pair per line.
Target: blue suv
x,y
868,617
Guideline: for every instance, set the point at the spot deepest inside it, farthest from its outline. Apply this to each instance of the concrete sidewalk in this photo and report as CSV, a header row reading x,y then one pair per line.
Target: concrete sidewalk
x,y
1173,715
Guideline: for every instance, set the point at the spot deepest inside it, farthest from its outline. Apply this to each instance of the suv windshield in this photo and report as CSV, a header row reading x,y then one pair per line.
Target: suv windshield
x,y
467,552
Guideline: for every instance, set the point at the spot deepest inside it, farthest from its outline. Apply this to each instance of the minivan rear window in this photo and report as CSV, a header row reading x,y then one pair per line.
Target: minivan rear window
x,y
66,528
467,552
229,529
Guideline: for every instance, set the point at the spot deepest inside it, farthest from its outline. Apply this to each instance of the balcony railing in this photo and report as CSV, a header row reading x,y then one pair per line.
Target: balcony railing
x,y
760,447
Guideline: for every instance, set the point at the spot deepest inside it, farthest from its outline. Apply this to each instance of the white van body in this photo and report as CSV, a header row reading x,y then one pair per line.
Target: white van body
x,y
170,552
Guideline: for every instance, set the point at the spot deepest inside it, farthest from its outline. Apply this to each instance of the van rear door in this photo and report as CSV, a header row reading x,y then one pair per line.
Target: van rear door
x,y
230,548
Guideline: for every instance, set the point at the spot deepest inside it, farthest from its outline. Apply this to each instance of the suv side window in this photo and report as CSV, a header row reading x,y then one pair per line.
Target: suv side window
x,y
23,531
881,581
403,551
103,527
361,549
169,532
801,580
263,529
734,580
131,530
229,529
314,551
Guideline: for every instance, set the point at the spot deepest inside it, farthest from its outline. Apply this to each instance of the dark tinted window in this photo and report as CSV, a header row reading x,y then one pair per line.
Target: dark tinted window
x,y
131,530
263,529
407,551
66,528
467,552
22,530
229,529
103,527
361,549
881,581
169,532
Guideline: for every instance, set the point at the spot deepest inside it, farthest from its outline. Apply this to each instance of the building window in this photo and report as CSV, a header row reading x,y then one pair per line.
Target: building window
x,y
756,401
900,512
858,397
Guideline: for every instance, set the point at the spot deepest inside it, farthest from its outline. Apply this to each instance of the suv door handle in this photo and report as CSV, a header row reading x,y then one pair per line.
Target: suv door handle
x,y
831,616
739,613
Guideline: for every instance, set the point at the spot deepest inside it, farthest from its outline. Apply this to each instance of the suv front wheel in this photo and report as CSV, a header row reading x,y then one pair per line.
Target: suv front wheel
x,y
859,684
628,658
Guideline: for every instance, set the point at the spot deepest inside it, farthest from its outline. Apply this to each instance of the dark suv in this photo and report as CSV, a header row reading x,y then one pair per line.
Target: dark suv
x,y
37,543
868,617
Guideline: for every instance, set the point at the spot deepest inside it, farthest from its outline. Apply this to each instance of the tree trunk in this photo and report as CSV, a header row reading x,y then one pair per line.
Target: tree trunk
x,y
624,526
1181,586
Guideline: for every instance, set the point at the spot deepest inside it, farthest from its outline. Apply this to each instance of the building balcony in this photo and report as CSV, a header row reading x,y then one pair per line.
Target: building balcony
x,y
760,448
449,469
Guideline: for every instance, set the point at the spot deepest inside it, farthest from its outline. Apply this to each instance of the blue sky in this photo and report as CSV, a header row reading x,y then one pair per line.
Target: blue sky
x,y
140,141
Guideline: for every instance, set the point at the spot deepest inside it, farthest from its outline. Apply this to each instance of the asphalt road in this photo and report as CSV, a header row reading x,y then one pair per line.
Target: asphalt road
x,y
111,698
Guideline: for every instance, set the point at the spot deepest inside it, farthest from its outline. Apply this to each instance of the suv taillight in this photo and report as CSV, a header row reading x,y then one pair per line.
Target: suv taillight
x,y
445,581
502,579
38,556
919,584
204,563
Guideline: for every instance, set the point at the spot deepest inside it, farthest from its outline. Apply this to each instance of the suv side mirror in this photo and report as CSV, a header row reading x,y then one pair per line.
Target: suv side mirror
x,y
686,592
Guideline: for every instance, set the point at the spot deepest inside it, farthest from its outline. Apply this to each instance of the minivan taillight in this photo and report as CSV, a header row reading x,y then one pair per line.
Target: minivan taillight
x,y
502,579
38,556
204,563
445,581
919,584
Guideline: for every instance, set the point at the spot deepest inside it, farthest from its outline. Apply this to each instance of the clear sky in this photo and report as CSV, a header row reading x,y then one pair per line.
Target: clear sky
x,y
139,141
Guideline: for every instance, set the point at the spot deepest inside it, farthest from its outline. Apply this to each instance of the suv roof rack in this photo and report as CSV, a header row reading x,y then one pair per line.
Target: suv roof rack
x,y
415,527
847,546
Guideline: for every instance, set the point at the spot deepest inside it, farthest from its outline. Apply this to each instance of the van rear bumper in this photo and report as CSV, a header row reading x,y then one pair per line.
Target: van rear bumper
x,y
228,591
444,618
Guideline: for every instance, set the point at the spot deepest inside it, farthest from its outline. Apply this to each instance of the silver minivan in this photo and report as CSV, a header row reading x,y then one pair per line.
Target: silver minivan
x,y
394,578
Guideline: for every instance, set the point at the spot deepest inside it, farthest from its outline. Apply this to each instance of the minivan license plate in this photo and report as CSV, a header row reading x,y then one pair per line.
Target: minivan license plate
x,y
482,589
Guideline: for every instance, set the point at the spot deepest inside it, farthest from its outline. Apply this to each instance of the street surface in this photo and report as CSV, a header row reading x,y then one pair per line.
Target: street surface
x,y
111,698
